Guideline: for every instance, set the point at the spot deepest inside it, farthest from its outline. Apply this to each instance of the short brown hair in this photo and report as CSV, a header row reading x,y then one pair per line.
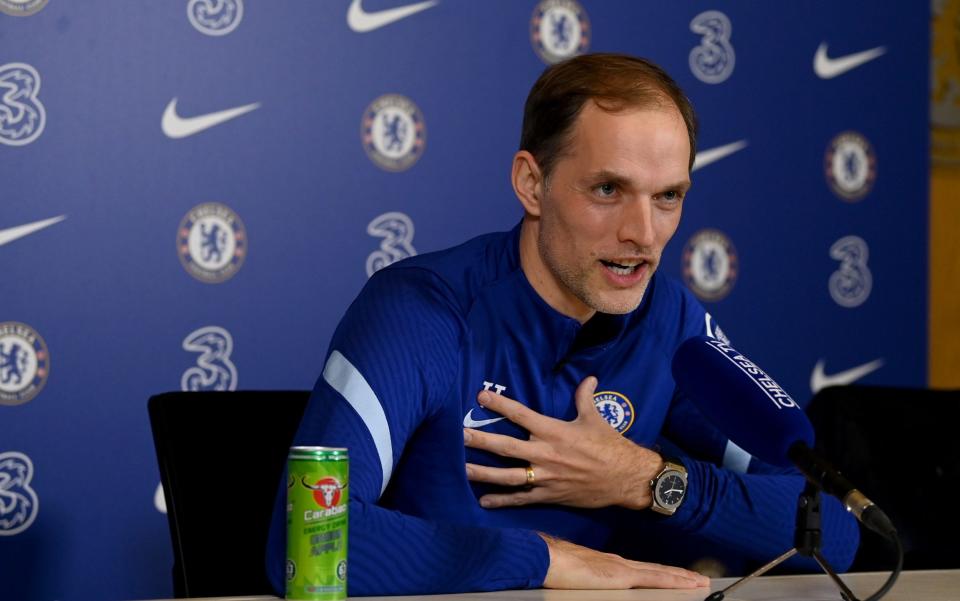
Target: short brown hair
x,y
613,81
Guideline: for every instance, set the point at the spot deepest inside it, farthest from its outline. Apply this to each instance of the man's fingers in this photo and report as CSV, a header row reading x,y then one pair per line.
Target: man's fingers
x,y
518,413
584,397
658,579
504,476
672,571
522,497
499,444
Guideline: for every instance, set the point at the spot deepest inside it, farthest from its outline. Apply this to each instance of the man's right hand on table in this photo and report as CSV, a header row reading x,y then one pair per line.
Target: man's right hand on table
x,y
576,567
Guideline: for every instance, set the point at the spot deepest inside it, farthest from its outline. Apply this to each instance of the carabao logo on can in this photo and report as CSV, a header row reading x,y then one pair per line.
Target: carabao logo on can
x,y
326,491
24,363
22,8
19,504
850,165
212,242
328,494
394,133
710,264
22,116
559,29
615,408
215,17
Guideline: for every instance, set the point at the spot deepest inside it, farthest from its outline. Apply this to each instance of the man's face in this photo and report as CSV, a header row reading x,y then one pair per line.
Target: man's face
x,y
611,204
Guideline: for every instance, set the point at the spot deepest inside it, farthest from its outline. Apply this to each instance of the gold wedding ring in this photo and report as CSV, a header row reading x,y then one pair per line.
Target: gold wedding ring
x,y
530,475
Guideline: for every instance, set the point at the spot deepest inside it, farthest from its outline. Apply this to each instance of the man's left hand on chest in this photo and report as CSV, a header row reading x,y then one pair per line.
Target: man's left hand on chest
x,y
580,463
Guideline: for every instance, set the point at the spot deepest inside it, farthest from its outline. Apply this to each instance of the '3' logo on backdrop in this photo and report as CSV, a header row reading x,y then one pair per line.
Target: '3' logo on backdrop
x,y
712,61
22,116
851,283
396,229
214,370
215,17
18,501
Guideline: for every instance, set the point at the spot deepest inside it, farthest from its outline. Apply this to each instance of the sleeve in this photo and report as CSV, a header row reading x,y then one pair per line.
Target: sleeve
x,y
391,361
738,501
751,513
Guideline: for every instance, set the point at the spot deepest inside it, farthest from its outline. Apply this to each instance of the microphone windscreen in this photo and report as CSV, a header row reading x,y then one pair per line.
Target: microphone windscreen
x,y
740,399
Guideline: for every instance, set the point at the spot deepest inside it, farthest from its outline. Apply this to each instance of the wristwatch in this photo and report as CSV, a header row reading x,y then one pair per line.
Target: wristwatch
x,y
669,487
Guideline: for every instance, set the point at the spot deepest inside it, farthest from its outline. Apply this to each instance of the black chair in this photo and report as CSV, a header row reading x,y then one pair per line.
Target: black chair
x,y
221,457
899,446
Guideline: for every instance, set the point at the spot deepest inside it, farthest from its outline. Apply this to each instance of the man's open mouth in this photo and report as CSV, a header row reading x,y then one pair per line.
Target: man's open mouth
x,y
622,268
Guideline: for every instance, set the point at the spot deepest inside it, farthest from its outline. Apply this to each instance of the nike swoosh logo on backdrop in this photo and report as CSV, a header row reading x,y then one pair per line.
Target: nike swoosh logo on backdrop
x,y
712,155
175,126
469,422
820,380
828,68
12,233
362,21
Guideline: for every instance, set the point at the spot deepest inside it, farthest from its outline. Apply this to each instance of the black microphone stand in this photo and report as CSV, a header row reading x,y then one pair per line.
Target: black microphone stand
x,y
806,541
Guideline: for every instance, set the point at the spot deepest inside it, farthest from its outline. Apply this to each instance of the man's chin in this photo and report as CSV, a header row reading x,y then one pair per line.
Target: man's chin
x,y
618,303
616,299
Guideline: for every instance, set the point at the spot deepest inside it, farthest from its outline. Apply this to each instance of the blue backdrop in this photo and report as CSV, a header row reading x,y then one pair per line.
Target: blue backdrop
x,y
192,191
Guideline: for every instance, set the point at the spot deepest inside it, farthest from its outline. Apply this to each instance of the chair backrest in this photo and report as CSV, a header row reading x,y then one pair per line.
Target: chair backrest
x,y
899,447
221,457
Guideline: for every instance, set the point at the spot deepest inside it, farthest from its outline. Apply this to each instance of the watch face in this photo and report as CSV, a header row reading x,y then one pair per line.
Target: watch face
x,y
670,489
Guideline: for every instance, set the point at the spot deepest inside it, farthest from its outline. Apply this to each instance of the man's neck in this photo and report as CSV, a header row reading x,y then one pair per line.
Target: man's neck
x,y
550,289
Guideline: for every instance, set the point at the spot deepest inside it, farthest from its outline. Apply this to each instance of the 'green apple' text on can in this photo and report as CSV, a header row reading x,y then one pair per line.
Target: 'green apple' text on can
x,y
317,523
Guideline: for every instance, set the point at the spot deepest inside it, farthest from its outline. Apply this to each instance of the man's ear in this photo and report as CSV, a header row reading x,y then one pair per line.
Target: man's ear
x,y
527,182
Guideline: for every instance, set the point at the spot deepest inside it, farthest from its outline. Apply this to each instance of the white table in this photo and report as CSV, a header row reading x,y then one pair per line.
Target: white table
x,y
928,585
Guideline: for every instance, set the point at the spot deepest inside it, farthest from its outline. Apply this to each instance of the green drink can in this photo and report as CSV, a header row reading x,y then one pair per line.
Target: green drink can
x,y
317,523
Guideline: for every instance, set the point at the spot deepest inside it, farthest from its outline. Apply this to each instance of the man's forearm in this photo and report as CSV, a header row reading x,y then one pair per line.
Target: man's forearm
x,y
396,554
753,515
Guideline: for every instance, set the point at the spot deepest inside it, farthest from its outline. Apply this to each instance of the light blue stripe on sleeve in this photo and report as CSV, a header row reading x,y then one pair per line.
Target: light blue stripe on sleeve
x,y
349,382
735,459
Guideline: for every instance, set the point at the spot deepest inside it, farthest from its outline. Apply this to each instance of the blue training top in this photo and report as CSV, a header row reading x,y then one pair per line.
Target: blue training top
x,y
401,379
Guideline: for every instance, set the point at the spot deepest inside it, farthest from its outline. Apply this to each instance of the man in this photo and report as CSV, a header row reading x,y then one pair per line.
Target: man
x,y
469,384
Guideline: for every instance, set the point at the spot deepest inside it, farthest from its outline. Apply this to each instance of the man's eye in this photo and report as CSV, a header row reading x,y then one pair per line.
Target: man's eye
x,y
672,195
606,189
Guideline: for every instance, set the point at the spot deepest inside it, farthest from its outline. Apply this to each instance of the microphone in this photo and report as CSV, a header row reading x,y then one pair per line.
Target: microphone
x,y
751,409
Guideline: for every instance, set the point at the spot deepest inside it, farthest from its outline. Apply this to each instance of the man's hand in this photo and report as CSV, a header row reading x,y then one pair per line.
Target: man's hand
x,y
581,463
576,567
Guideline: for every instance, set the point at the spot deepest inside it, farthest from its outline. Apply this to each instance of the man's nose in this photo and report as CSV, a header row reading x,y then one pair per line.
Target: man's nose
x,y
636,224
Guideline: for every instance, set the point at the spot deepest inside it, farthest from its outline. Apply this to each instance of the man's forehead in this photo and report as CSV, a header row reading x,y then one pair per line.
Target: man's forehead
x,y
599,130
593,111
